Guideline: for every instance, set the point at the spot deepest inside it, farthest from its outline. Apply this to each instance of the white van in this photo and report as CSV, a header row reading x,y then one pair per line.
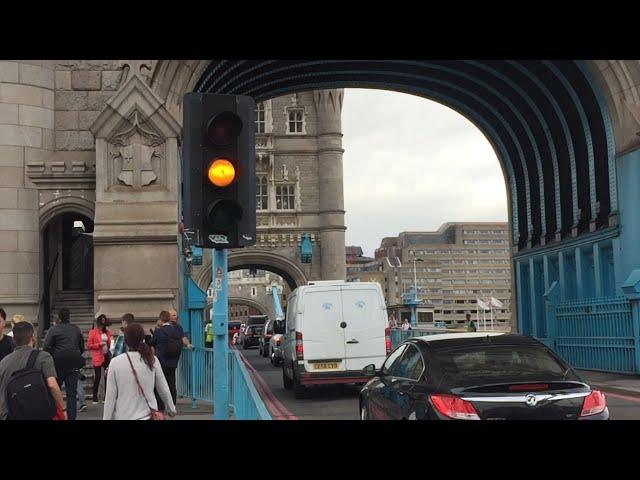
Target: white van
x,y
333,330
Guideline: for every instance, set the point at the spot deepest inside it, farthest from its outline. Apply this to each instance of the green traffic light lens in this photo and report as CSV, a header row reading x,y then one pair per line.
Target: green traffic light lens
x,y
223,128
224,214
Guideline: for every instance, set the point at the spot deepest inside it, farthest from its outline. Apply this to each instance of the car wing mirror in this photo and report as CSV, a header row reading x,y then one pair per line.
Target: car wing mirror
x,y
370,370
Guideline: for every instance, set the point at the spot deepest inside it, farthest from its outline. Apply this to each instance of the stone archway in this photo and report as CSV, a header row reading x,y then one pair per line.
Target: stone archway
x,y
260,259
245,301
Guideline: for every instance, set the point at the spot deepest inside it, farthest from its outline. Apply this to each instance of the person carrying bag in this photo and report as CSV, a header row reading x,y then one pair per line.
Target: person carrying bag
x,y
130,376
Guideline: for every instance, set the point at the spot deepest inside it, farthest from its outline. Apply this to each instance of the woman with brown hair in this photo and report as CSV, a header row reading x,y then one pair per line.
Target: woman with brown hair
x,y
132,379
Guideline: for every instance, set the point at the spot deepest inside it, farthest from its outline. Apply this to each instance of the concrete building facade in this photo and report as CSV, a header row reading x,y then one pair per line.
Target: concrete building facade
x,y
454,266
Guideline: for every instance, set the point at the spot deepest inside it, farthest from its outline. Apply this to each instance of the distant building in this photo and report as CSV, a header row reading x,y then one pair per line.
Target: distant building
x,y
251,293
455,265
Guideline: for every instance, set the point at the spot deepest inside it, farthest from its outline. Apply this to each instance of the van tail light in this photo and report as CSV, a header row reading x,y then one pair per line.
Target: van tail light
x,y
593,404
387,339
454,407
299,347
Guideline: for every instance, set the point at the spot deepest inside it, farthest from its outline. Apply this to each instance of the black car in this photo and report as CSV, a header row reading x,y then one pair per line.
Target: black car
x,y
250,337
477,376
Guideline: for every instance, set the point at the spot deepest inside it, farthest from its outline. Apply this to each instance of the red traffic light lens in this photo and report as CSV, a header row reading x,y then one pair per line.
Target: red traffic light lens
x,y
223,128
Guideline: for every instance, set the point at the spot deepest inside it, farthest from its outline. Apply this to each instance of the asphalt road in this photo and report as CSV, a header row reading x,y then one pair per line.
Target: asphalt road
x,y
330,402
340,402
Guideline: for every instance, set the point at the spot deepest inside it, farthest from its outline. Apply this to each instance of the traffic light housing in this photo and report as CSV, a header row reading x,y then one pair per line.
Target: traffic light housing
x,y
218,170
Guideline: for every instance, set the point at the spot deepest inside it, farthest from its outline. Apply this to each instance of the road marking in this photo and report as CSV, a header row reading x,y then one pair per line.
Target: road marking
x,y
622,397
275,406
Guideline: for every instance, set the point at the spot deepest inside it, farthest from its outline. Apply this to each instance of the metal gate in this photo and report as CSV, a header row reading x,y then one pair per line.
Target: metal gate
x,y
597,334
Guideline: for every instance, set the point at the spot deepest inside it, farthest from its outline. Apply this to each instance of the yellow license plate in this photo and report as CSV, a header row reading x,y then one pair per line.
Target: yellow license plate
x,y
325,366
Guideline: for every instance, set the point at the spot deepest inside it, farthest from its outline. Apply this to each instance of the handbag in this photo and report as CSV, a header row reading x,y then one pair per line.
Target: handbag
x,y
155,414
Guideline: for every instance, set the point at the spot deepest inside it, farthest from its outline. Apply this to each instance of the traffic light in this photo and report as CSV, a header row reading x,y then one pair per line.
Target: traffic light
x,y
218,170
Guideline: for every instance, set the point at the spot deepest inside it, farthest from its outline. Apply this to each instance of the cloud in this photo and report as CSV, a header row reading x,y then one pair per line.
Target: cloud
x,y
413,164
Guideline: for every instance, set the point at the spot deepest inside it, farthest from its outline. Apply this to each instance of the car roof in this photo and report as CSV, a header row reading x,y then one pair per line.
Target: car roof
x,y
449,340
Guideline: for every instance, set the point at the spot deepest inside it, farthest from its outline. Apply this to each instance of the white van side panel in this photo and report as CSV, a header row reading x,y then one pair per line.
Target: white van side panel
x,y
365,317
319,322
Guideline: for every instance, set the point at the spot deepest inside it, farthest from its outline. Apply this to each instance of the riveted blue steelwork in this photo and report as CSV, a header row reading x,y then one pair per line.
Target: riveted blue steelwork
x,y
545,128
608,128
597,334
587,133
437,96
566,131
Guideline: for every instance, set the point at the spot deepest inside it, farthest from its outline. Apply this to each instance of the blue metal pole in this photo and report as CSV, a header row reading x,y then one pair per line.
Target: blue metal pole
x,y
221,332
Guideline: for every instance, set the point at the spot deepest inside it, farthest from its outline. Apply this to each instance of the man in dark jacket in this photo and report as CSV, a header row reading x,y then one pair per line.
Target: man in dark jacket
x,y
65,343
163,336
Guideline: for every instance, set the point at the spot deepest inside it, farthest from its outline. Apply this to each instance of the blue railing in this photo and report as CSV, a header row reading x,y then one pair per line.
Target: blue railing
x,y
398,335
597,334
195,381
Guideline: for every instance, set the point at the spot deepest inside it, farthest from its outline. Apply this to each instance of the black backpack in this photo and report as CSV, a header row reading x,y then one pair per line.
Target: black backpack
x,y
174,342
27,394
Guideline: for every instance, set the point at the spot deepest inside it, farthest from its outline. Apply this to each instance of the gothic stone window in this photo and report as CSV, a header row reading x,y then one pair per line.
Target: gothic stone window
x,y
260,118
262,193
285,195
295,122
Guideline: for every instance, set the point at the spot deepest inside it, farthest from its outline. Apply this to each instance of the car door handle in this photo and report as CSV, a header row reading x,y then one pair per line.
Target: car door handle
x,y
353,341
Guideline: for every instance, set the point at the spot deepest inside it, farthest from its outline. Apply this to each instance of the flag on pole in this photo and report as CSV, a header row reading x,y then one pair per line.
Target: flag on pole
x,y
482,304
496,303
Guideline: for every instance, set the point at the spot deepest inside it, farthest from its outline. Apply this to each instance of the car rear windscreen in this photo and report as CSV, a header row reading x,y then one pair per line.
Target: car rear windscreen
x,y
484,364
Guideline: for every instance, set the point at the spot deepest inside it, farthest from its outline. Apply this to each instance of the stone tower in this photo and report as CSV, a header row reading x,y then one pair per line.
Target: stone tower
x,y
26,136
330,182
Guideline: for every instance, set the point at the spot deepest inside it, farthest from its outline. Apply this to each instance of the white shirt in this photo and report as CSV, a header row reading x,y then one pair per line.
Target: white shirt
x,y
405,326
123,400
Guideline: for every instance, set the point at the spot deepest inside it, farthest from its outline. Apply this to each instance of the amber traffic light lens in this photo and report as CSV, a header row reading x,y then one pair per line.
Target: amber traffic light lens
x,y
221,172
223,128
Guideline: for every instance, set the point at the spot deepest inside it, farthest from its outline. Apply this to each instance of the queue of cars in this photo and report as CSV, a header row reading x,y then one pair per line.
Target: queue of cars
x,y
337,332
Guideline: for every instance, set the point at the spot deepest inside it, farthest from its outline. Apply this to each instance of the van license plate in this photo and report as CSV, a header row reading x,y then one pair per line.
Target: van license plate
x,y
325,366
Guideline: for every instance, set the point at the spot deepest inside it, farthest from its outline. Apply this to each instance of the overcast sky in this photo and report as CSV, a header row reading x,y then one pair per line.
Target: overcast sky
x,y
413,164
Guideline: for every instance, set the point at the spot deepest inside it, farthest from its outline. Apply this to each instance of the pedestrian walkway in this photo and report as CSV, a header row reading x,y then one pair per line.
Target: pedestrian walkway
x,y
612,382
185,412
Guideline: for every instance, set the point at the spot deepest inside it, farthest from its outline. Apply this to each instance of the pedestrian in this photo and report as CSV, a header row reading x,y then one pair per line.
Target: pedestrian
x,y
208,334
392,321
17,318
65,343
119,346
99,342
173,316
132,379
471,326
44,399
6,342
406,325
167,341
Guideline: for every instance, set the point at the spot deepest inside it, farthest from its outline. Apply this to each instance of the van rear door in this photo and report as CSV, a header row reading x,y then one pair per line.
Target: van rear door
x,y
364,334
322,336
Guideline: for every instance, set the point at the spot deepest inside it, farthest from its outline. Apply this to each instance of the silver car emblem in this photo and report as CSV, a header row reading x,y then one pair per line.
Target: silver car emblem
x,y
530,400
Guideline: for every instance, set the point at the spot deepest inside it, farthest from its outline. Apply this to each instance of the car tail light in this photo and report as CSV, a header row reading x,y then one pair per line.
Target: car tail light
x,y
593,404
387,339
299,347
454,407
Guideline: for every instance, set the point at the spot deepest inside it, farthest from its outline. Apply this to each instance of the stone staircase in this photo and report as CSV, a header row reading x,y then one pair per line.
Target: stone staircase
x,y
80,305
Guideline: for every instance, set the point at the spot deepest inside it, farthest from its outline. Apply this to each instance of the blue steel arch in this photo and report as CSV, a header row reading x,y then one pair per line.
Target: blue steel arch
x,y
545,128
531,153
608,128
587,131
